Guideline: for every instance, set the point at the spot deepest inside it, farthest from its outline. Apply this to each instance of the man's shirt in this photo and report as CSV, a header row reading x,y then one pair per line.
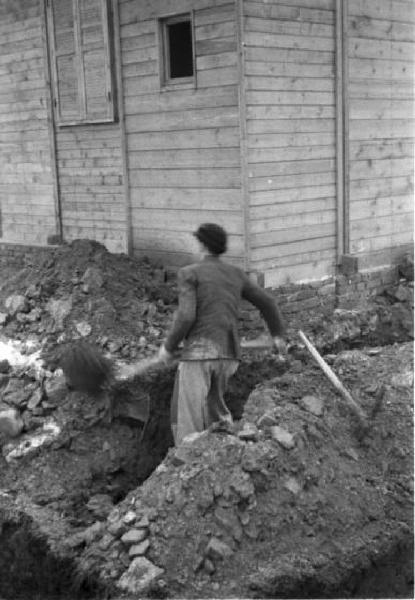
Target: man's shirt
x,y
210,295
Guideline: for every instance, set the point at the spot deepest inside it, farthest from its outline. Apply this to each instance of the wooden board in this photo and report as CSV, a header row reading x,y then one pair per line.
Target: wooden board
x,y
27,204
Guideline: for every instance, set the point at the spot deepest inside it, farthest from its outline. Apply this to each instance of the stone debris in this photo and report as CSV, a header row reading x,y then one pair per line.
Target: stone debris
x,y
403,380
229,521
266,420
129,517
93,278
209,566
16,304
59,310
313,404
133,536
139,549
140,575
216,549
83,328
282,436
11,424
248,433
292,485
32,442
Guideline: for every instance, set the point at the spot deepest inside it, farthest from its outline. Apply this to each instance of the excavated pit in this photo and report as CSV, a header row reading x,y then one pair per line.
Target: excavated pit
x,y
29,569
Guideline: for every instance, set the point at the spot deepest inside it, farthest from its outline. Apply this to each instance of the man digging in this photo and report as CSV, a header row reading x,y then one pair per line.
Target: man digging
x,y
210,294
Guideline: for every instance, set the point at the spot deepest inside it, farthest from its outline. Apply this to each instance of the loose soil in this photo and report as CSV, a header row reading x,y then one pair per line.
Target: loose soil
x,y
329,517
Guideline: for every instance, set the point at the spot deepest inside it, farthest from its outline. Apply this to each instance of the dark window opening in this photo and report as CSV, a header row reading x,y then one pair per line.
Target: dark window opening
x,y
180,49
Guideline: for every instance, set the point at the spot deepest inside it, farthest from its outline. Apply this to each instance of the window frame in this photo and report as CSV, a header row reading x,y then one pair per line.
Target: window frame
x,y
83,119
167,82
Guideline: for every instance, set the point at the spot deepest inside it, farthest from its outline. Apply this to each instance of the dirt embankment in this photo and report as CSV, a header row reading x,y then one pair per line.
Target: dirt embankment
x,y
289,503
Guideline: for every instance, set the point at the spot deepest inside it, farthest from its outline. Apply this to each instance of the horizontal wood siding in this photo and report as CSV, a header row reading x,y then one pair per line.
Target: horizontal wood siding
x,y
27,210
91,184
290,106
381,67
183,144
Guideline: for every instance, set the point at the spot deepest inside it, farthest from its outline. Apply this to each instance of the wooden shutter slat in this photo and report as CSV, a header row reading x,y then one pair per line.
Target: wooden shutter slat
x,y
96,59
64,61
80,57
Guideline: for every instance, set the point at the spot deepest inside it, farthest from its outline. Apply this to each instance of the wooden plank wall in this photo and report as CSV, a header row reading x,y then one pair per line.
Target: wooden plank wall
x,y
27,210
381,53
290,107
91,184
183,145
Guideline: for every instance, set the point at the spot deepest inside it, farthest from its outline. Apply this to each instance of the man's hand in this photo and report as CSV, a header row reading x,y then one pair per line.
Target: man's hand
x,y
280,345
165,356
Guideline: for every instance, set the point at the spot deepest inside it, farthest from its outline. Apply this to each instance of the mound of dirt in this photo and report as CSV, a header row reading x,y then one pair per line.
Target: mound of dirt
x,y
81,290
288,504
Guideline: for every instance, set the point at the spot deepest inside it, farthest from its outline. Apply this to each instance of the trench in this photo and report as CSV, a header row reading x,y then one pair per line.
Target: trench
x,y
29,569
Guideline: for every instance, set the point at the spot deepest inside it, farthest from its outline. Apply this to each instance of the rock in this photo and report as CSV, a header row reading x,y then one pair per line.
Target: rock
x,y
15,304
3,319
16,394
402,293
34,315
83,328
266,420
140,575
180,456
55,386
59,310
134,536
106,541
292,485
248,433
313,404
209,566
143,523
32,291
282,436
129,517
218,550
93,278
227,519
35,399
117,528
139,549
403,380
31,422
11,425
5,366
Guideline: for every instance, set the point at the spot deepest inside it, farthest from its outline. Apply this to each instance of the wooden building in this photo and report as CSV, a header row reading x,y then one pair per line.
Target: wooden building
x,y
289,122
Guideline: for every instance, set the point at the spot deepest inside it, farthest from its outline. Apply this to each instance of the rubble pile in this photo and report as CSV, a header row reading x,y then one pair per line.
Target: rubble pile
x,y
81,290
287,502
288,497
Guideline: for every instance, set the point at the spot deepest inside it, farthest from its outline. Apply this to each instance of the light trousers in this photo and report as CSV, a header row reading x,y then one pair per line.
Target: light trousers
x,y
197,400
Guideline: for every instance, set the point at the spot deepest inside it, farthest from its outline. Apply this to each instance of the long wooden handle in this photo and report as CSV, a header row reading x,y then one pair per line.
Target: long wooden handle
x,y
357,410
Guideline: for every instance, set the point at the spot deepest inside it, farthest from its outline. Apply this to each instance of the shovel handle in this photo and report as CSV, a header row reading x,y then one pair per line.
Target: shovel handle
x,y
329,373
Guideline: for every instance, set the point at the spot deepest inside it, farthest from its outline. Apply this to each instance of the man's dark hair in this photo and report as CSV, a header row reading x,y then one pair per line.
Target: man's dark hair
x,y
213,236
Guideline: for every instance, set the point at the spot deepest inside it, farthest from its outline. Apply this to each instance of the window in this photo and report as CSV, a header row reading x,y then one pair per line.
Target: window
x,y
177,52
80,61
